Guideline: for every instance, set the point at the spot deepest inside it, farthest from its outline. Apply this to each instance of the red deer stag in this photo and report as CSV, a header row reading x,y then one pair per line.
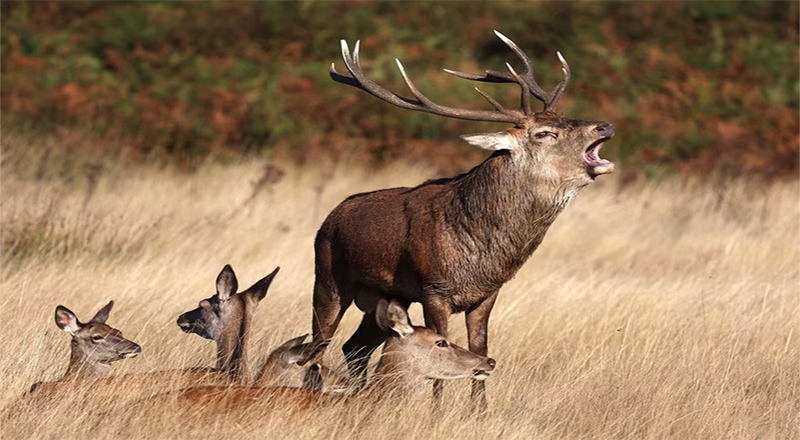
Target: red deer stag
x,y
451,243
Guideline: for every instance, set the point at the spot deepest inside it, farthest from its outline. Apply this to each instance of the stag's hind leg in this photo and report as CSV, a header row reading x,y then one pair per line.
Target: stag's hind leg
x,y
329,307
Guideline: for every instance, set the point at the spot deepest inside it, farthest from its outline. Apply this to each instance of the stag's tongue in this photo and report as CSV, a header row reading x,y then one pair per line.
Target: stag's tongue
x,y
594,163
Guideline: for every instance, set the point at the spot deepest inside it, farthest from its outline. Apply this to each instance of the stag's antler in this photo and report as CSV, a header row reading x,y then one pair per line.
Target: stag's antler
x,y
528,85
359,80
549,99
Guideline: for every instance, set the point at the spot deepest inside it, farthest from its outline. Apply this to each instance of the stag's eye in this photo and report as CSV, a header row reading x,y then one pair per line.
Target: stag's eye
x,y
544,133
441,343
97,338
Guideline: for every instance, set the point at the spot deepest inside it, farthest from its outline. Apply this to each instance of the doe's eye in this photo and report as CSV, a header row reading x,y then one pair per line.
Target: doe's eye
x,y
97,338
441,343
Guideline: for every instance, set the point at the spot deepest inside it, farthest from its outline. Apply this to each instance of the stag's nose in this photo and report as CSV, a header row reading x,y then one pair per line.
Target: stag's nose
x,y
604,129
492,363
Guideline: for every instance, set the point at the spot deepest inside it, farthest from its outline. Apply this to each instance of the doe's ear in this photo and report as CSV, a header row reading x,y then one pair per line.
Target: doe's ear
x,y
259,290
492,141
390,315
102,315
66,320
291,343
226,283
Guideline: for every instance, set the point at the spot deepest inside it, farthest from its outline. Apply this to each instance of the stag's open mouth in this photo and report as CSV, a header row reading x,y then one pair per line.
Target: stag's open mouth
x,y
594,163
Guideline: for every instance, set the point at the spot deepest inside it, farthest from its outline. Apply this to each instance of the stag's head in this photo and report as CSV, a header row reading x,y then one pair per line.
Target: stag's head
x,y
558,148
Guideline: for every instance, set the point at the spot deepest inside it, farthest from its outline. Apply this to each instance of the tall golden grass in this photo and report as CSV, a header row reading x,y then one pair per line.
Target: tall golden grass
x,y
651,311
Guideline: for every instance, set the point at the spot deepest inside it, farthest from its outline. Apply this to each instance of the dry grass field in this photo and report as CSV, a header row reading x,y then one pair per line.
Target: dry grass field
x,y
651,311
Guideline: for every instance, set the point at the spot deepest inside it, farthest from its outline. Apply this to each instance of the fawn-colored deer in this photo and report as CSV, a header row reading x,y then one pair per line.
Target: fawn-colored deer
x,y
284,367
94,345
411,356
227,319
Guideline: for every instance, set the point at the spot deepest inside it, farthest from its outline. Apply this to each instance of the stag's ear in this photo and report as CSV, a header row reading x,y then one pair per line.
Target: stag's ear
x,y
102,315
66,320
392,316
259,290
492,141
226,283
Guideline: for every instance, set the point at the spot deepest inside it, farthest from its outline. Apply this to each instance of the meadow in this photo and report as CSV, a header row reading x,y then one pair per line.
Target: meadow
x,y
653,310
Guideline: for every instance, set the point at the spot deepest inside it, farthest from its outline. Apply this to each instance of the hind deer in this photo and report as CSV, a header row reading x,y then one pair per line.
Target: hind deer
x,y
94,346
227,319
450,244
284,367
411,356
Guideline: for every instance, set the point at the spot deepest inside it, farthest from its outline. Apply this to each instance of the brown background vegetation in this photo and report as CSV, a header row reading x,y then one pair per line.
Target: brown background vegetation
x,y
690,86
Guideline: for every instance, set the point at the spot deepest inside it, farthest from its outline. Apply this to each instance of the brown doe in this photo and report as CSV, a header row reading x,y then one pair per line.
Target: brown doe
x,y
94,346
286,367
411,356
226,318
451,243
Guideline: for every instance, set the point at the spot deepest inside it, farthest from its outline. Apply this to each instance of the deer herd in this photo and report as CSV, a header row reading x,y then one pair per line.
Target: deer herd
x,y
448,244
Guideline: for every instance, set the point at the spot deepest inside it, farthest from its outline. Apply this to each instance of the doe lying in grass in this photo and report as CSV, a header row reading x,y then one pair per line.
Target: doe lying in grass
x,y
411,356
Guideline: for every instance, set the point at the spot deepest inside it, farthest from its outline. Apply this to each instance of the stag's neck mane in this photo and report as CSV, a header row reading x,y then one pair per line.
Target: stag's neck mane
x,y
507,203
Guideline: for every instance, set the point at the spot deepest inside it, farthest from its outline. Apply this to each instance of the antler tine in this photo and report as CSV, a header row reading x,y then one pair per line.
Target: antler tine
x,y
491,76
414,90
526,99
492,101
527,74
562,85
359,80
495,76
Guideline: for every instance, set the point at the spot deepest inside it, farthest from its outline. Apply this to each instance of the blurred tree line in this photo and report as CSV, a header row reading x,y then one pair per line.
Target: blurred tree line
x,y
696,87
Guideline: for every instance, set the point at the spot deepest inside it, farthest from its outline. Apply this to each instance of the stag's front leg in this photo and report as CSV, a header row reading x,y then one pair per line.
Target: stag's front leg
x,y
437,312
478,332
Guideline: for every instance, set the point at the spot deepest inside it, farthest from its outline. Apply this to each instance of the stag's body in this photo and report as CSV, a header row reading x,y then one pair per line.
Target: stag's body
x,y
450,244
454,240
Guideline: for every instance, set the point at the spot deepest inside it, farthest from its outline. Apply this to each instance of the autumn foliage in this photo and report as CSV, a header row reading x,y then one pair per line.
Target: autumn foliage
x,y
690,86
